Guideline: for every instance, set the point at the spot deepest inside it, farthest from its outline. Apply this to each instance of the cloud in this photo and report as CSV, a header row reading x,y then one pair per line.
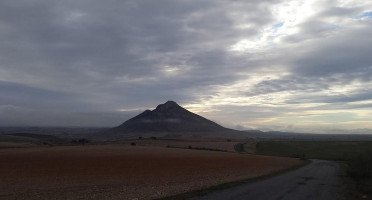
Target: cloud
x,y
248,63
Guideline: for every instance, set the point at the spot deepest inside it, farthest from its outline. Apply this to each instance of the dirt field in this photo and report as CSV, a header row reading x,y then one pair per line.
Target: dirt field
x,y
122,172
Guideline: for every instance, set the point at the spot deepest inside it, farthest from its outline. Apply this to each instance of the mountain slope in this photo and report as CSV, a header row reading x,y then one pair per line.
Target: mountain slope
x,y
168,117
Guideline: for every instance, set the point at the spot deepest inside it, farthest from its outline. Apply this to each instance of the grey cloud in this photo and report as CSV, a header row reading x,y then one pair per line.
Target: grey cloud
x,y
335,56
331,101
109,40
19,116
29,97
95,57
290,83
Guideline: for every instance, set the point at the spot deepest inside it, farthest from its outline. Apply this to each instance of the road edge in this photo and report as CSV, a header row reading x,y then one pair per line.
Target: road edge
x,y
208,190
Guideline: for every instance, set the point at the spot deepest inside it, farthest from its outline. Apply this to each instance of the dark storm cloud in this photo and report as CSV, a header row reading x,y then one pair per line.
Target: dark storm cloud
x,y
21,95
73,40
55,54
346,54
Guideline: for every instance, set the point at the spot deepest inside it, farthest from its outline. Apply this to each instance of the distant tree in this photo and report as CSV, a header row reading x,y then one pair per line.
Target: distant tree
x,y
133,144
81,141
153,138
140,137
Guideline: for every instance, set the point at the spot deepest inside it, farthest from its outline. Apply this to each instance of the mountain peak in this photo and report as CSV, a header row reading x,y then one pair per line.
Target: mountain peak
x,y
168,104
169,117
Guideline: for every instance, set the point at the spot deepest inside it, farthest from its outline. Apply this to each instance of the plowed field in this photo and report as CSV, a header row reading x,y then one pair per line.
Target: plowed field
x,y
122,172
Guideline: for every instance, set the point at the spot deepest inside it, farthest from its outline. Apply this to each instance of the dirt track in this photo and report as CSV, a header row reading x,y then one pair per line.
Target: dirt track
x,y
318,180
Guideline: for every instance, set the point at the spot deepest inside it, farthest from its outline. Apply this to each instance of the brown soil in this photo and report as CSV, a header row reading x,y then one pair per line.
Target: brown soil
x,y
122,172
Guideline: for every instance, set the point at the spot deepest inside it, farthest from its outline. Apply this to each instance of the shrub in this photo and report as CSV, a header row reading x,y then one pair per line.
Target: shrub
x,y
133,144
81,141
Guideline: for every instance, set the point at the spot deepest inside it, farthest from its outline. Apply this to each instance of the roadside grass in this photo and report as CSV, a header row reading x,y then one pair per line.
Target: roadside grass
x,y
326,150
358,171
360,166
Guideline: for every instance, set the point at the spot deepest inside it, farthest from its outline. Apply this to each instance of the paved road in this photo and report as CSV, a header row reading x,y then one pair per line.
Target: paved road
x,y
318,180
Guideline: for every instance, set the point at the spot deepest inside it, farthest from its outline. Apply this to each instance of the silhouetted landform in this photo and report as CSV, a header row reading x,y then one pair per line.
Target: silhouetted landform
x,y
293,136
51,130
170,120
33,138
168,117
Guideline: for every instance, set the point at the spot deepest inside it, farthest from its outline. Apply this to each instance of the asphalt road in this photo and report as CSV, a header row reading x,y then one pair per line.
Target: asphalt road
x,y
318,180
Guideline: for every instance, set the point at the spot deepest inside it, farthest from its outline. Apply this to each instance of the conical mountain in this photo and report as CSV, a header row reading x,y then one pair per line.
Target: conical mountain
x,y
168,117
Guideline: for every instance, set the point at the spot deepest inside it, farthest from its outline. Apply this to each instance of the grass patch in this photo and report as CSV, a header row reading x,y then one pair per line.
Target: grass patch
x,y
357,176
314,149
360,166
359,170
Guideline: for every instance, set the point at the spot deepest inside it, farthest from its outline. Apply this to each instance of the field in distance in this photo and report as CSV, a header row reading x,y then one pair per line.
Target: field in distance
x,y
326,150
115,171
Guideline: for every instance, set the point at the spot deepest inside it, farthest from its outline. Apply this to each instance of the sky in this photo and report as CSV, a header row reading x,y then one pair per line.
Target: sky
x,y
285,65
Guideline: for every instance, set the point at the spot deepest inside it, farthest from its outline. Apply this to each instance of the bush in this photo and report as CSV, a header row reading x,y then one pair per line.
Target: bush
x,y
81,141
153,138
133,144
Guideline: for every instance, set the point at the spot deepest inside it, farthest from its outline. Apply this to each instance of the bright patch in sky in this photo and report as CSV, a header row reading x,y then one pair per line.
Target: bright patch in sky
x,y
365,15
276,26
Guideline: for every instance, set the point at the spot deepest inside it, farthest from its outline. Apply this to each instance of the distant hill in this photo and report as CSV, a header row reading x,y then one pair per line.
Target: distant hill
x,y
171,120
32,138
168,117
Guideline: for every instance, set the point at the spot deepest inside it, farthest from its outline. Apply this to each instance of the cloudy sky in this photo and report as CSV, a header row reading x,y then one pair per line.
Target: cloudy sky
x,y
256,64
